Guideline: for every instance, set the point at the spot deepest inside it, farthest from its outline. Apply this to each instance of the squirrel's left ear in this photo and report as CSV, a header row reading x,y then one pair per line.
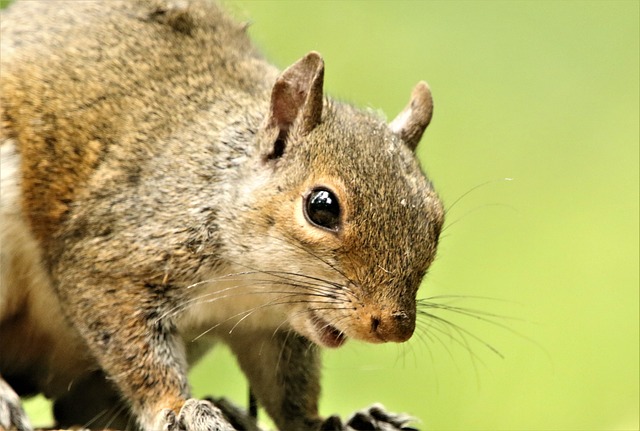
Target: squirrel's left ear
x,y
296,97
411,123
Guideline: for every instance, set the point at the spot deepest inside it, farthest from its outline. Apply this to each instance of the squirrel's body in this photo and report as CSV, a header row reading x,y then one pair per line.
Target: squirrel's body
x,y
156,184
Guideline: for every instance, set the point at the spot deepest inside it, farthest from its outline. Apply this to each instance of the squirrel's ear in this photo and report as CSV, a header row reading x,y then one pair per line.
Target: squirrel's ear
x,y
414,119
298,93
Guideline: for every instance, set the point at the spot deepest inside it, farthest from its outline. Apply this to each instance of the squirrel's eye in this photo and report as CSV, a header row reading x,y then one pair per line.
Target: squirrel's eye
x,y
322,209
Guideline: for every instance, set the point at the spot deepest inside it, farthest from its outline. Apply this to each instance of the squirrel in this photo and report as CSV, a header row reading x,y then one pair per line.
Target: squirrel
x,y
165,188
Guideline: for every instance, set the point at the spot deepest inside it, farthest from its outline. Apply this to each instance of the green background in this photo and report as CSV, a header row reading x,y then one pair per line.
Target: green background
x,y
544,94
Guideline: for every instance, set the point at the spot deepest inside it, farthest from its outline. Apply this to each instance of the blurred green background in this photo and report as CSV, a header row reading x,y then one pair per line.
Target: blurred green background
x,y
545,94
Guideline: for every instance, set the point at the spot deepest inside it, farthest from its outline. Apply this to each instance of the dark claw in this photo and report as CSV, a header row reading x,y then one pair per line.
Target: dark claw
x,y
332,423
362,422
377,418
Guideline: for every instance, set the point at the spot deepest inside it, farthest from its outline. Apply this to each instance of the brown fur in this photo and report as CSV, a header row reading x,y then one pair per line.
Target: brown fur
x,y
160,191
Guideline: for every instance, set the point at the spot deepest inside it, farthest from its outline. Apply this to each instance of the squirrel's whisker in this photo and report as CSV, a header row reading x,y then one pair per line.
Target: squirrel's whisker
x,y
315,289
246,313
292,242
283,274
462,332
472,190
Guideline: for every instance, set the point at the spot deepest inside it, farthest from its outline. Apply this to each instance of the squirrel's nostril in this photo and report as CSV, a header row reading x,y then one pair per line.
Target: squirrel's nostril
x,y
395,326
375,323
399,316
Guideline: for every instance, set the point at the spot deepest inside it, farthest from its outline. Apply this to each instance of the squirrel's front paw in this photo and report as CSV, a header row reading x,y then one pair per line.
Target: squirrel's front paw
x,y
239,418
195,415
373,418
12,417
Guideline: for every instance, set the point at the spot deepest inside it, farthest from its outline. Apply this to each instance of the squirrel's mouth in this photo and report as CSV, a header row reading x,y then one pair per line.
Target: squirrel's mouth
x,y
327,334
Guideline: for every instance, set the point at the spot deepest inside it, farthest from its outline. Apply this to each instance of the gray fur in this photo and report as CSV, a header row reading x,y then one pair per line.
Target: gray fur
x,y
163,172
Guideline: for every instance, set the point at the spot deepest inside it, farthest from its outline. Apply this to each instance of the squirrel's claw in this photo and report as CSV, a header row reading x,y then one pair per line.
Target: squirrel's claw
x,y
377,418
373,418
332,423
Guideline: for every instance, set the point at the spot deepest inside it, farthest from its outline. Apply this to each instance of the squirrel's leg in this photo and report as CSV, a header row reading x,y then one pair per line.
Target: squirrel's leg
x,y
92,400
284,373
140,352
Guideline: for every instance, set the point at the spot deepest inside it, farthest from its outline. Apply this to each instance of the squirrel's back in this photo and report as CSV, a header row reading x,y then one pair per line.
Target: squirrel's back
x,y
100,72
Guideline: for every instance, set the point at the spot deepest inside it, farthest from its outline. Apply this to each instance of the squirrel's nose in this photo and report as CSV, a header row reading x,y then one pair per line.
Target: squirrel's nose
x,y
395,326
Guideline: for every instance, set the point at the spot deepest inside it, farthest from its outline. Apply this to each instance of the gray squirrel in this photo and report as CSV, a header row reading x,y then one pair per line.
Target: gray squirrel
x,y
165,188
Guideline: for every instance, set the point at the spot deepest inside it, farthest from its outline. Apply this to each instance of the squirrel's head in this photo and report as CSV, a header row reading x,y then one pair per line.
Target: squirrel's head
x,y
342,218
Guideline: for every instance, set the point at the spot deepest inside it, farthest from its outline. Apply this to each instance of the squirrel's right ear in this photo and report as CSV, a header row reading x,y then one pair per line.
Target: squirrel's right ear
x,y
411,123
297,98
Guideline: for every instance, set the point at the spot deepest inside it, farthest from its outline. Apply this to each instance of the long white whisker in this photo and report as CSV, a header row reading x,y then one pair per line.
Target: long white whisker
x,y
293,243
245,313
462,332
473,189
312,290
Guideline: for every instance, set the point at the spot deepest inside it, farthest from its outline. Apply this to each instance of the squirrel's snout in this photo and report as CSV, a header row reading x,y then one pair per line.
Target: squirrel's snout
x,y
397,326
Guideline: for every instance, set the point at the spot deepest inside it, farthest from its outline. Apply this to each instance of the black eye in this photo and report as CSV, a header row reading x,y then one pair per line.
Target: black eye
x,y
322,209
